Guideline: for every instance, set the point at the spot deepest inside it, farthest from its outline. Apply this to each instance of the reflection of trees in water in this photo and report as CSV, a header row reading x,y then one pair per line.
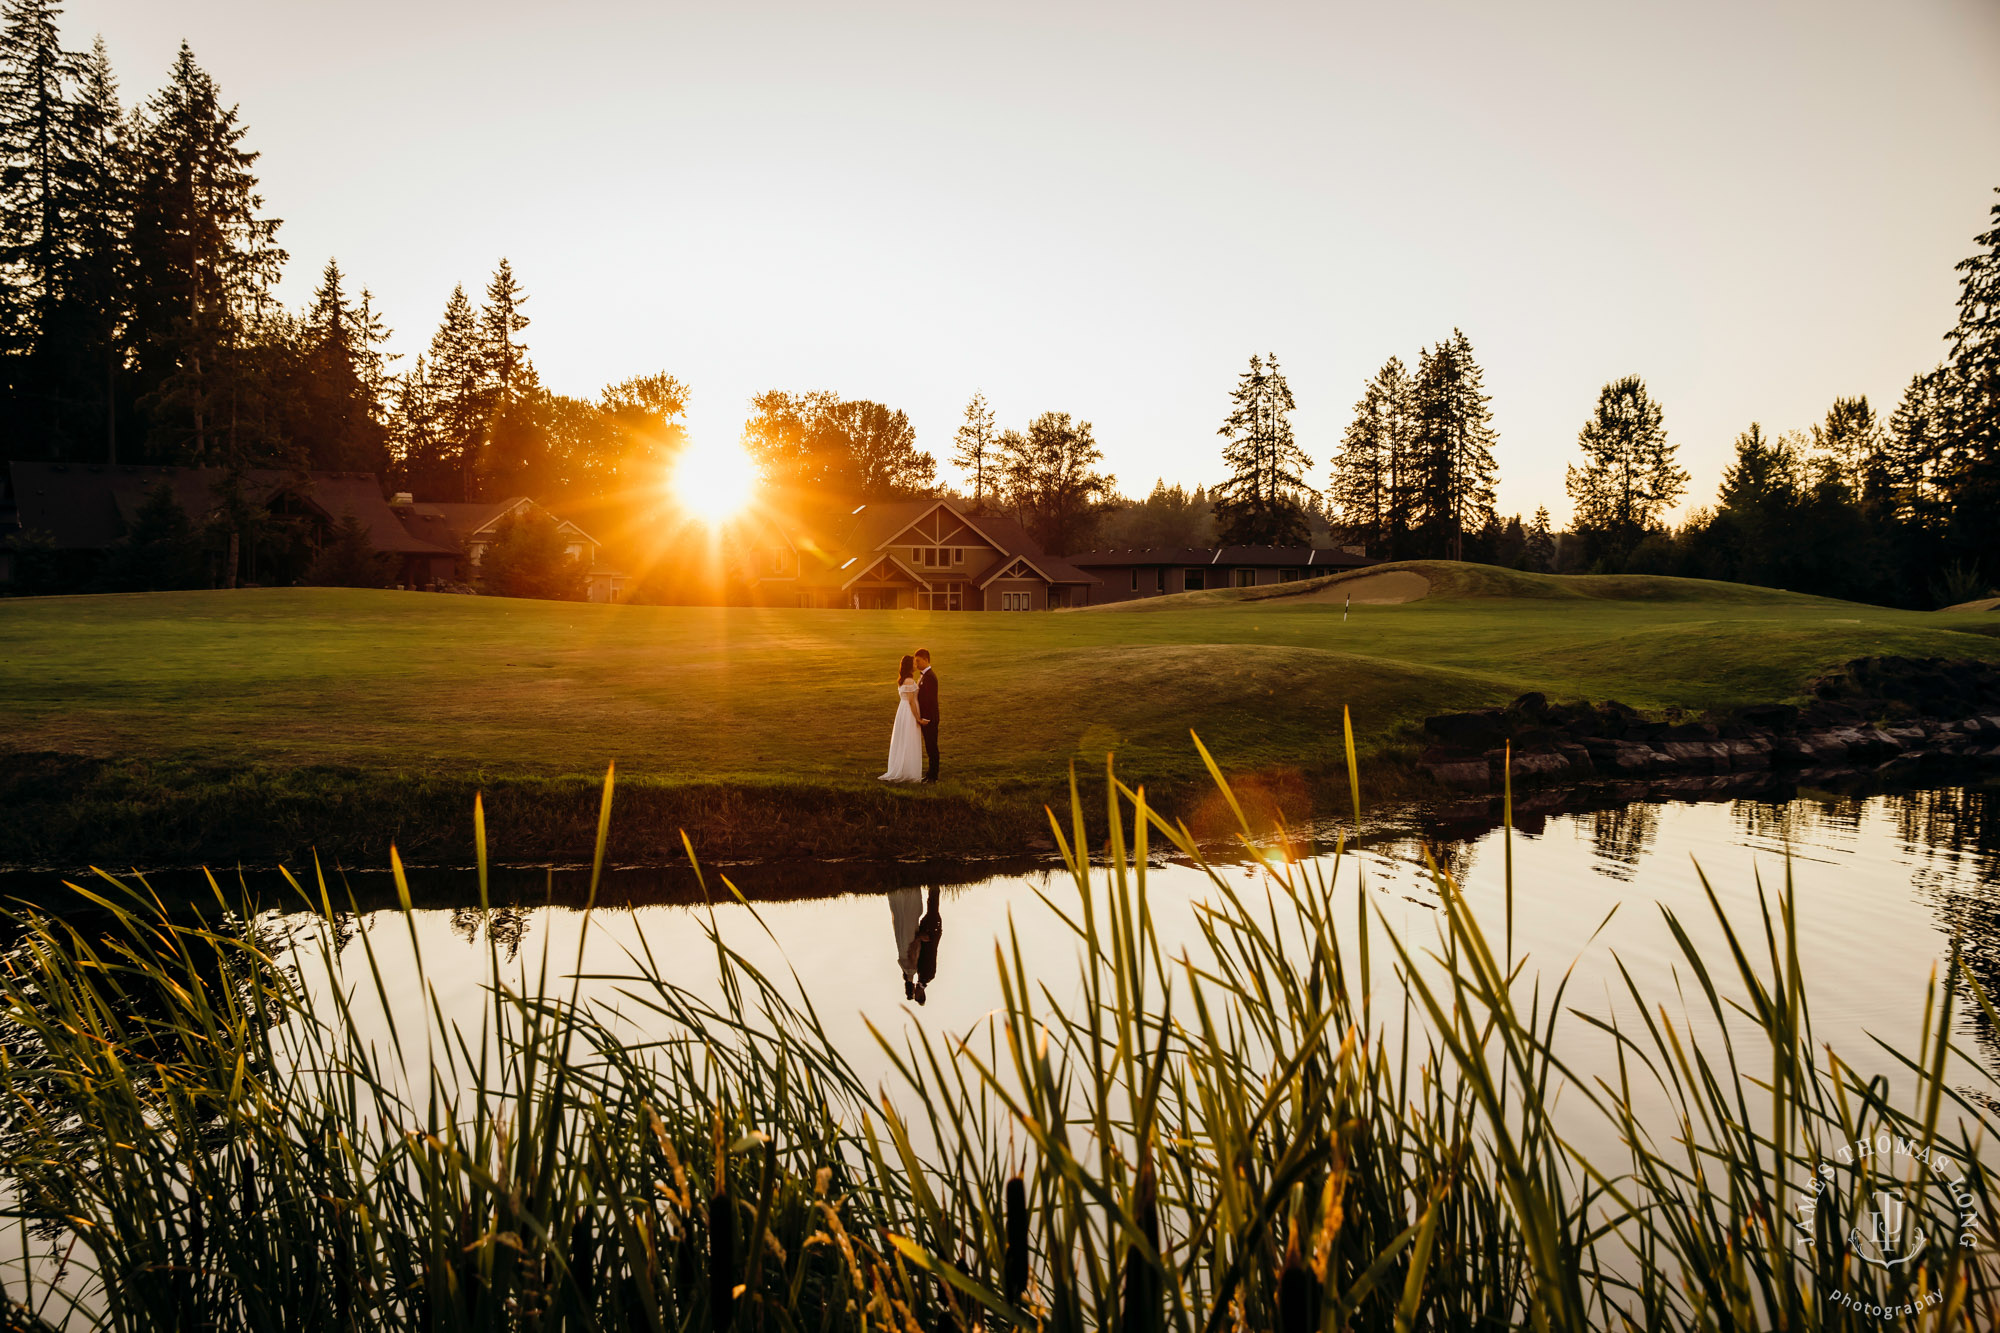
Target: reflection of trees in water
x,y
1957,831
1807,817
506,927
1621,836
1952,819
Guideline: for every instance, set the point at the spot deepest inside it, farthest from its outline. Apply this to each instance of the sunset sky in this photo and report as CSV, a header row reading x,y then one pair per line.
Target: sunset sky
x,y
1104,209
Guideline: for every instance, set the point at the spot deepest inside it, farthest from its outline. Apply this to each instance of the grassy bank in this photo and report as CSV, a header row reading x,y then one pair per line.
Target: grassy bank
x,y
257,723
1291,1122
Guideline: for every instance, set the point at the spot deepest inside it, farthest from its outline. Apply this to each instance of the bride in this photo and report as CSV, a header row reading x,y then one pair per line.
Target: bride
x,y
906,742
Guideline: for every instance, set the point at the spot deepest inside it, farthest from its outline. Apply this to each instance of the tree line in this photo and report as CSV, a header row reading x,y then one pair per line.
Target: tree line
x,y
139,321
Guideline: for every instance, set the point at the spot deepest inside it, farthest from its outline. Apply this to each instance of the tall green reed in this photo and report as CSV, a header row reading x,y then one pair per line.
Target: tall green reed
x,y
1298,1119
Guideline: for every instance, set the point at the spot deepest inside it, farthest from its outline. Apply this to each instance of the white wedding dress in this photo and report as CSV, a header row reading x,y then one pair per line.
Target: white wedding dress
x,y
906,741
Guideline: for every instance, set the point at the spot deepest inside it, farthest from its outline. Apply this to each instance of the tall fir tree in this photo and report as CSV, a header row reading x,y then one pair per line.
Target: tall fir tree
x,y
204,259
85,344
1452,464
1369,485
1973,461
1918,439
460,402
37,152
1852,445
972,447
1629,478
339,424
1540,555
1260,502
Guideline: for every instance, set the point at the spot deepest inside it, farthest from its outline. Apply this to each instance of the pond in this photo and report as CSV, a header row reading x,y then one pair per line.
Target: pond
x,y
1883,884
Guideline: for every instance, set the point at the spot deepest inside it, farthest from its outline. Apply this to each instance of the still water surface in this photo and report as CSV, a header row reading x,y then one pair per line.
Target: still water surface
x,y
1882,885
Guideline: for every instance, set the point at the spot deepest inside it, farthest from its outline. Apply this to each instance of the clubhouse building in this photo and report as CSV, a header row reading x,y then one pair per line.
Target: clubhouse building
x,y
924,555
932,555
1125,576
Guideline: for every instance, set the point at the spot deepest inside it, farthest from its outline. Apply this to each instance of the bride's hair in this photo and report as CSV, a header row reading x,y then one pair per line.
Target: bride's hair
x,y
907,670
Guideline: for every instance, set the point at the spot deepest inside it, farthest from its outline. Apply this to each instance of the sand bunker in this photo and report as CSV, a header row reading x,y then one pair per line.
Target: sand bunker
x,y
1983,604
1385,589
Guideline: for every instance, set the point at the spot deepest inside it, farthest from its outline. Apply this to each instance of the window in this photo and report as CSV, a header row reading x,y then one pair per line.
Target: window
x,y
1288,576
1159,580
1246,578
1194,580
940,601
958,555
930,557
1135,580
1017,601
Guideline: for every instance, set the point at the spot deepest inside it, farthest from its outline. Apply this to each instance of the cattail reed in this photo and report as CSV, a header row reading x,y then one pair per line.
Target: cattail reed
x,y
1015,1267
1140,1308
721,1240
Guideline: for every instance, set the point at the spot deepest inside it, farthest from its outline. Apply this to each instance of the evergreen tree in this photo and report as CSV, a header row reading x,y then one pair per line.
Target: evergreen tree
x,y
162,550
973,447
1973,462
1369,486
1170,516
339,425
1851,443
1629,477
1540,553
37,153
1918,437
348,560
499,320
457,401
1259,504
1452,464
529,558
204,258
84,343
420,460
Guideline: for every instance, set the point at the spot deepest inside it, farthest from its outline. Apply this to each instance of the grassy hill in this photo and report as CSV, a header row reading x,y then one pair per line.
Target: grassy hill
x,y
377,703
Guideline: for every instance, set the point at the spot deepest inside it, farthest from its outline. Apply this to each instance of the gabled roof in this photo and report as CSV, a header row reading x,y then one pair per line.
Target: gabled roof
x,y
465,522
1012,538
862,566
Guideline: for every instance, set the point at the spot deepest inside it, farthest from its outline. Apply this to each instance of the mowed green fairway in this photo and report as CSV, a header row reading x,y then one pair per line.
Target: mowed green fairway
x,y
403,682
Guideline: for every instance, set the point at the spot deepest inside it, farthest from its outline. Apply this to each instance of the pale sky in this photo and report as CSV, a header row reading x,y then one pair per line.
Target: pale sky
x,y
1105,209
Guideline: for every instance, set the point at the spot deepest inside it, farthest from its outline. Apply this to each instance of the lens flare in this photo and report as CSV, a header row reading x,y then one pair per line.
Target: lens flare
x,y
713,482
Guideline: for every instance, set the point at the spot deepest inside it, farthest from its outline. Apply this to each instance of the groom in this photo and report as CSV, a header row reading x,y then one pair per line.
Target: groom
x,y
927,711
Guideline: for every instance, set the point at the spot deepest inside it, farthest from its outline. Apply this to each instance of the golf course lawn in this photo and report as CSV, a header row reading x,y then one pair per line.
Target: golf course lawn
x,y
369,689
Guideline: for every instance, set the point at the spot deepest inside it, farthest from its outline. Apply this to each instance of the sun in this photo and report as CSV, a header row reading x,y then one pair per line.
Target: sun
x,y
714,482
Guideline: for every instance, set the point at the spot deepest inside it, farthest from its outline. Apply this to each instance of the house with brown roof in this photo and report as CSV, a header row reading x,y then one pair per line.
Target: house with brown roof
x,y
1124,576
925,555
472,528
83,508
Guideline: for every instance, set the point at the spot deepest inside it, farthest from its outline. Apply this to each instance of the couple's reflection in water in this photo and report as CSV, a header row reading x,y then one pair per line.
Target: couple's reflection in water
x,y
919,927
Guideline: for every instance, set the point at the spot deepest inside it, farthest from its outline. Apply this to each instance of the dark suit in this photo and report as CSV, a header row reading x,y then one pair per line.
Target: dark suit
x,y
927,709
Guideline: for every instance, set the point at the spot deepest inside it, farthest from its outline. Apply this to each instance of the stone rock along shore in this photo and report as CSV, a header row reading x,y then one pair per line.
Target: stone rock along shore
x,y
1893,716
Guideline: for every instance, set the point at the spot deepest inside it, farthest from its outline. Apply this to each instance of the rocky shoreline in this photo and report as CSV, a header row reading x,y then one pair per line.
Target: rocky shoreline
x,y
1895,717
